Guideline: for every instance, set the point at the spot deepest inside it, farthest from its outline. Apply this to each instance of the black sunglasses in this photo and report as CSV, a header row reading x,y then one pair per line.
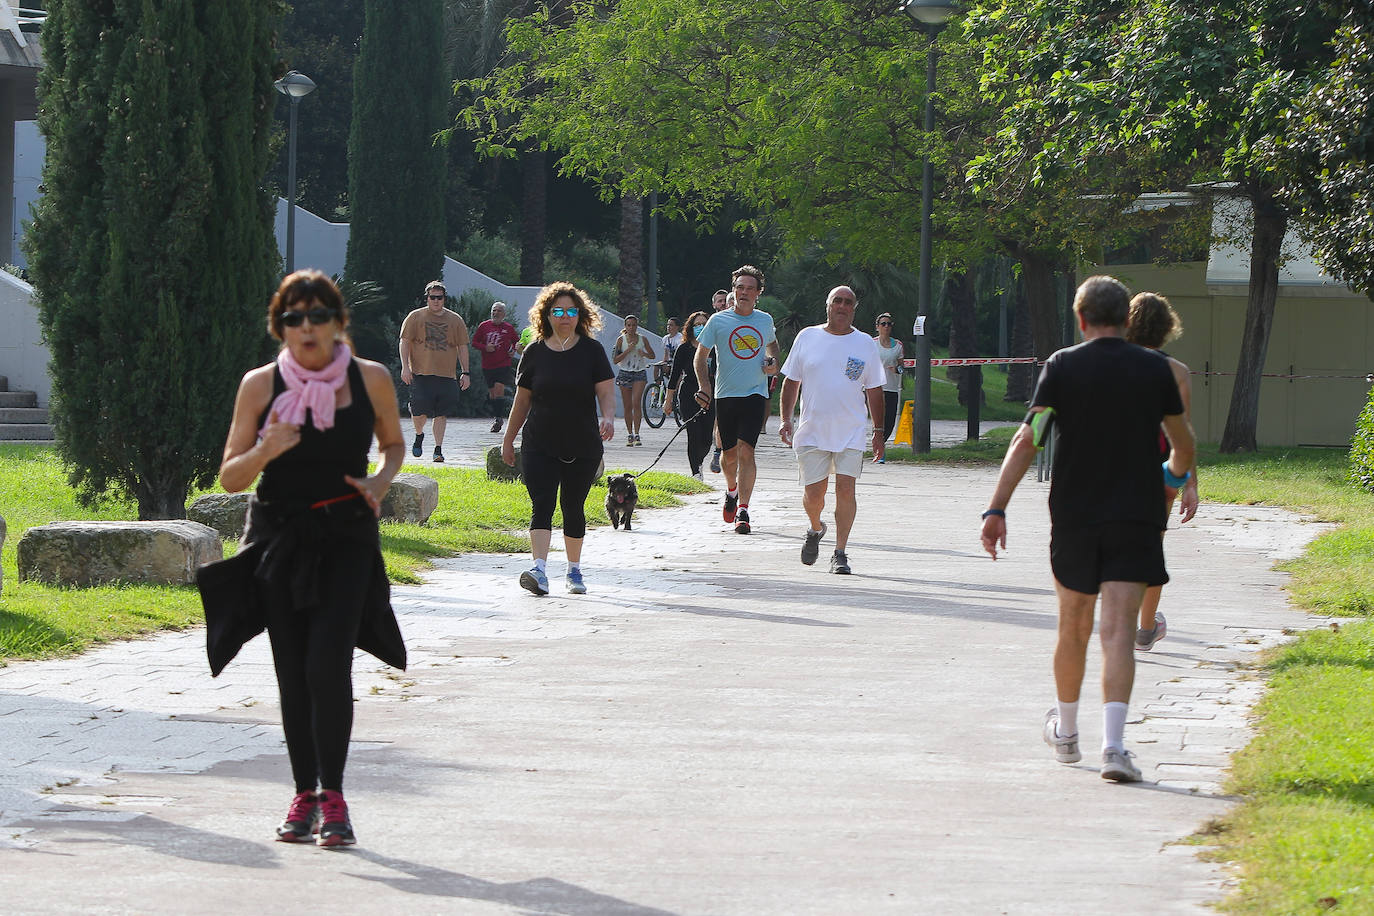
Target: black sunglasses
x,y
436,296
317,315
884,324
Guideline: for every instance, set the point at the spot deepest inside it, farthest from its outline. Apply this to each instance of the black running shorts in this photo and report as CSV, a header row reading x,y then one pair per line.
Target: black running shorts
x,y
740,420
1083,558
433,396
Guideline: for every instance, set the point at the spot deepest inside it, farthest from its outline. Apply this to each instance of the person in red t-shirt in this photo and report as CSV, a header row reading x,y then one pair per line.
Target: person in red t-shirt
x,y
496,339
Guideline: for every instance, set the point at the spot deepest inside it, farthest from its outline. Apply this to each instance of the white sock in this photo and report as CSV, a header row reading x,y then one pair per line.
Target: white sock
x,y
1068,719
1114,726
734,492
574,567
541,565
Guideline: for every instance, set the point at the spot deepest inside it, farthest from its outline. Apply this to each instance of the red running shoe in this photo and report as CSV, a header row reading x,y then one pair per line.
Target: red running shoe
x,y
302,819
728,513
336,830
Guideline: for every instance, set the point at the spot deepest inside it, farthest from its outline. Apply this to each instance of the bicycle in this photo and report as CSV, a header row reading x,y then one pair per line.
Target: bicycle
x,y
655,394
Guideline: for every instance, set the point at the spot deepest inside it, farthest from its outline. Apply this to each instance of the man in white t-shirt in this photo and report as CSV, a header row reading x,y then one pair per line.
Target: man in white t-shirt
x,y
840,369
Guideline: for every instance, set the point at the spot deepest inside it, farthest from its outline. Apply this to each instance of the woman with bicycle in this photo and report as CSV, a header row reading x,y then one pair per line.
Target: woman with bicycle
x,y
632,354
682,381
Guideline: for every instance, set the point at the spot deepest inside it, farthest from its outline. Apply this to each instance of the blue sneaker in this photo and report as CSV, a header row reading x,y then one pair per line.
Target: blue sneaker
x,y
574,582
535,581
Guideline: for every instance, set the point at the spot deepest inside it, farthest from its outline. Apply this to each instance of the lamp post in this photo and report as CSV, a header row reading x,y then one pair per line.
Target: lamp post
x,y
930,16
295,86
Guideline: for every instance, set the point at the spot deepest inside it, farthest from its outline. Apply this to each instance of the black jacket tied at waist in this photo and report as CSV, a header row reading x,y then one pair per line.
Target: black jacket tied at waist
x,y
280,561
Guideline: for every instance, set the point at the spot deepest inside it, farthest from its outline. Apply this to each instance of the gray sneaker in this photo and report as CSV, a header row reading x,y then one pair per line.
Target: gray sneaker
x,y
811,547
1145,639
535,580
1065,749
715,462
839,563
1117,766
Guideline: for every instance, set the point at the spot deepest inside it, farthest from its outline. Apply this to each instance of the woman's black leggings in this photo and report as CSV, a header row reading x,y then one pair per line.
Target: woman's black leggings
x,y
547,478
698,432
313,652
890,412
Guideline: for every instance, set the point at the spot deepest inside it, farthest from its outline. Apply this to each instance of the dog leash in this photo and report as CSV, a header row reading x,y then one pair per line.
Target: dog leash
x,y
663,451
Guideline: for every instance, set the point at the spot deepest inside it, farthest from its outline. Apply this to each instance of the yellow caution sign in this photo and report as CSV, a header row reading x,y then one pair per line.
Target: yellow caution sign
x,y
904,426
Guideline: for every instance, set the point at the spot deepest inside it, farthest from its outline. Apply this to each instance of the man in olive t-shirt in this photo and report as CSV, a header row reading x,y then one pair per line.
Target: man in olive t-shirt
x,y
434,342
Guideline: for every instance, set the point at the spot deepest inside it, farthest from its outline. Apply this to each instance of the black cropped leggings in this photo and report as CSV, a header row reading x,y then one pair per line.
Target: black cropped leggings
x,y
312,649
699,431
555,481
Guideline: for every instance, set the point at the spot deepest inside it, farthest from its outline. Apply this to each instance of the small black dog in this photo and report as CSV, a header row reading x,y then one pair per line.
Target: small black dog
x,y
622,496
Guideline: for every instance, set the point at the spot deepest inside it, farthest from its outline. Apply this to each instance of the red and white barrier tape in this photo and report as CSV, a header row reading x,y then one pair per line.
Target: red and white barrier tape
x,y
1022,360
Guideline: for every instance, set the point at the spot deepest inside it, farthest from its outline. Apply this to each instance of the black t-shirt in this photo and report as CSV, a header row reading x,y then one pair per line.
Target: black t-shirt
x,y
562,420
1109,397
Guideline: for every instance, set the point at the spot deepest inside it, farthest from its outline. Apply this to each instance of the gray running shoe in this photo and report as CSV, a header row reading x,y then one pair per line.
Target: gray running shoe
x,y
1065,749
811,547
1117,766
534,580
715,462
839,563
1145,639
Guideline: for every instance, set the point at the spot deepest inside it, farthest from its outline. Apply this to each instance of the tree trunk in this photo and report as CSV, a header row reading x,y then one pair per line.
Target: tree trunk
x,y
963,329
161,498
534,218
1242,420
631,283
1020,377
1037,277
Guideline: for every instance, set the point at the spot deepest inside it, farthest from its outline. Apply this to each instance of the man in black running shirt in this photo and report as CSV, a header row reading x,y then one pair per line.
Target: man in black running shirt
x,y
1107,399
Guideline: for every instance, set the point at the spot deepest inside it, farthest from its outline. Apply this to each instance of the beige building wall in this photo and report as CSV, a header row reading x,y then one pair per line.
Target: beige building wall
x,y
1318,330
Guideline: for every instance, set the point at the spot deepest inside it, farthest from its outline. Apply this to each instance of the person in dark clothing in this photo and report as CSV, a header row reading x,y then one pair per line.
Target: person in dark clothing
x,y
564,376
1107,398
682,389
302,427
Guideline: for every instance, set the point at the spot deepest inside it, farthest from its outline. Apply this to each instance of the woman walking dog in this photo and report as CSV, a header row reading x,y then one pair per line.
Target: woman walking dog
x,y
310,569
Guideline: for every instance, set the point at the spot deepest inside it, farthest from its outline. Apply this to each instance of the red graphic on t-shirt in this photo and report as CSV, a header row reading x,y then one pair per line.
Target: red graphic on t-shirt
x,y
745,342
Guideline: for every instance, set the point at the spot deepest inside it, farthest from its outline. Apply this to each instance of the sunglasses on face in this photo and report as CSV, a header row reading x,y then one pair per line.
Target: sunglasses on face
x,y
435,296
317,315
559,311
884,324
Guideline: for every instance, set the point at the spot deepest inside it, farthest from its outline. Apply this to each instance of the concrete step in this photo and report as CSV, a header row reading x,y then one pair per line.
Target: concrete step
x,y
25,432
23,414
4,383
18,398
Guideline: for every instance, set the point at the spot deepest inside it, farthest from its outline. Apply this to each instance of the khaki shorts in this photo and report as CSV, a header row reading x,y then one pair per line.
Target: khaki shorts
x,y
816,464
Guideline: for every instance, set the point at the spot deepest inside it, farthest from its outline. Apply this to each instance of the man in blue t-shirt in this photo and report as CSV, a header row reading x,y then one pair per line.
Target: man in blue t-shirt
x,y
746,350
1107,399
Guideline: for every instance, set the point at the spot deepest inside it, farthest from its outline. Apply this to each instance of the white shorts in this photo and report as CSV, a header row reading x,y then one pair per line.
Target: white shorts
x,y
816,464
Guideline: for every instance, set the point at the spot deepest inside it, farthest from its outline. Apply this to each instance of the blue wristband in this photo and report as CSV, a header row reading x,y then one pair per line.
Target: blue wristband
x,y
1172,480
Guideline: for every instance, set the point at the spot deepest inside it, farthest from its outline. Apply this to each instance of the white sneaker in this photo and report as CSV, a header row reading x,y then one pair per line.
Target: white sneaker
x,y
1065,749
1117,766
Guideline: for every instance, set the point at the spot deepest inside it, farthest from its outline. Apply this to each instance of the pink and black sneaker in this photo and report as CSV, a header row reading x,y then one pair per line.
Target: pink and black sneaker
x,y
335,829
302,819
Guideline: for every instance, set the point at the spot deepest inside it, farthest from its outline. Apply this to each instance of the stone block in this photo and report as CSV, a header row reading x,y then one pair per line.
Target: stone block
x,y
224,512
412,498
499,470
97,553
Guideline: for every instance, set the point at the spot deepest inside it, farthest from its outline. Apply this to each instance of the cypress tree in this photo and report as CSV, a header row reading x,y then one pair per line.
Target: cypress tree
x,y
395,168
152,249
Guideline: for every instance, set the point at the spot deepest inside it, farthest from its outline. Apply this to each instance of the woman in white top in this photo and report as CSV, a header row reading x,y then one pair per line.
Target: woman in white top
x,y
632,354
890,350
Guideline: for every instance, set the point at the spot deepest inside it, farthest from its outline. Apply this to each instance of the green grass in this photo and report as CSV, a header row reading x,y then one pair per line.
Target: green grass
x,y
38,620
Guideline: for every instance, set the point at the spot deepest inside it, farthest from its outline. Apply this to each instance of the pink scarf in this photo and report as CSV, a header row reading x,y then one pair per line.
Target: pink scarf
x,y
312,389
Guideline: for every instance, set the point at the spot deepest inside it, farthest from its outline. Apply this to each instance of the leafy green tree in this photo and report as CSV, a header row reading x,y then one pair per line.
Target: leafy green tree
x,y
1326,156
152,250
396,169
1177,93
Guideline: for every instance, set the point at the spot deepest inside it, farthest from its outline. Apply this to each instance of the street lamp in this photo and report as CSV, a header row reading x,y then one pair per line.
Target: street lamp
x,y
294,86
930,16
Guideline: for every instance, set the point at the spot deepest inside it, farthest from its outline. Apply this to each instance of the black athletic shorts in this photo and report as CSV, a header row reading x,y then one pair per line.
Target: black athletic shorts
x,y
1083,558
500,375
433,396
740,420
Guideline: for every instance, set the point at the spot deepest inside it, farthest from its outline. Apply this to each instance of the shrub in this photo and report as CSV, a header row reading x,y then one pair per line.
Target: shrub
x,y
1362,447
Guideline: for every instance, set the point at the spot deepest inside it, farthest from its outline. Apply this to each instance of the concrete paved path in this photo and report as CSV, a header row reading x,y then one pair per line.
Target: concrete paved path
x,y
714,729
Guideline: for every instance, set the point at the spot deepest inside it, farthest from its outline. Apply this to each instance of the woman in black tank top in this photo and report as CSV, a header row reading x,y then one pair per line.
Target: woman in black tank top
x,y
310,568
